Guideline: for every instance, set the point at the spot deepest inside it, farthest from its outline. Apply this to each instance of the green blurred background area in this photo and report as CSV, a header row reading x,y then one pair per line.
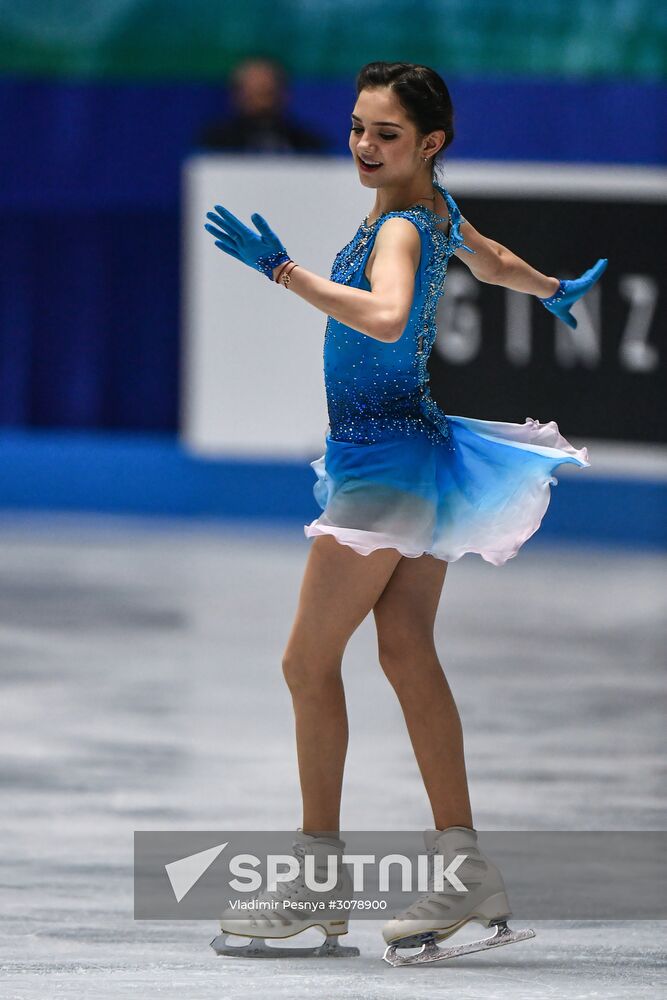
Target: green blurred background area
x,y
200,39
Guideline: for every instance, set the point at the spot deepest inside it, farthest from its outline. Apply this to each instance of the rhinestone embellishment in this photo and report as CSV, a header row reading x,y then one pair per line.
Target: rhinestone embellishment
x,y
377,391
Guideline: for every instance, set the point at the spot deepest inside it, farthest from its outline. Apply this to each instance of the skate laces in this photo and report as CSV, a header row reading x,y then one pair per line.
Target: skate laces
x,y
430,879
420,906
284,889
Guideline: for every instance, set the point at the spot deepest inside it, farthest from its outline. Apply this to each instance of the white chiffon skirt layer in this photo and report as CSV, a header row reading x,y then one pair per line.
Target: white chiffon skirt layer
x,y
487,496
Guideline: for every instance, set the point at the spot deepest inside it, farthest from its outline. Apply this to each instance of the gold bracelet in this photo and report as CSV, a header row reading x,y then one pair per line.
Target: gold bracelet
x,y
286,276
285,269
282,268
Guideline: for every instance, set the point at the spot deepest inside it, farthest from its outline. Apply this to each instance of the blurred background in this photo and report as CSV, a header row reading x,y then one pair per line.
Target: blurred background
x,y
104,104
160,405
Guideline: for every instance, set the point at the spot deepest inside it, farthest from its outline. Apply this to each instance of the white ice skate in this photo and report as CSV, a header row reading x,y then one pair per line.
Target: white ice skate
x,y
438,915
275,920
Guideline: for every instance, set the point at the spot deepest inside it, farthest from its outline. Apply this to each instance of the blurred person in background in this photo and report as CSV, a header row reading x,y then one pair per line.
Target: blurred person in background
x,y
260,121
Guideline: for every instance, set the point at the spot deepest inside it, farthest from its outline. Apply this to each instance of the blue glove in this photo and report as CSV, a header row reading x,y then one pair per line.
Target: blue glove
x,y
264,252
569,291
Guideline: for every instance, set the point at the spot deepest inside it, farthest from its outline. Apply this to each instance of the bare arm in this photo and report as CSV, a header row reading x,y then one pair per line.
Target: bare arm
x,y
383,312
497,265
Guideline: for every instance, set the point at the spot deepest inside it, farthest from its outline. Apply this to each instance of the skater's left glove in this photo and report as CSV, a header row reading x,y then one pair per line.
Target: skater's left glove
x,y
570,291
263,252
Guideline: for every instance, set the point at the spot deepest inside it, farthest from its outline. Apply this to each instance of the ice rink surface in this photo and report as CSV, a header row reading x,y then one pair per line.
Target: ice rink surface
x,y
142,690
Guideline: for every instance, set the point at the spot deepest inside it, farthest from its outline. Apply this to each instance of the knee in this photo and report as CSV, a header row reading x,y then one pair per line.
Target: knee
x,y
309,674
293,670
396,668
407,668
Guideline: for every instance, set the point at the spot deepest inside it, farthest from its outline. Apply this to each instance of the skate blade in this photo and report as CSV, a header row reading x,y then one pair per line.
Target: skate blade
x,y
258,948
432,952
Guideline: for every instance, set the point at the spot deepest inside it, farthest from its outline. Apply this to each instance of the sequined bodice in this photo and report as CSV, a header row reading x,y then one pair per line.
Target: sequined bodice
x,y
378,391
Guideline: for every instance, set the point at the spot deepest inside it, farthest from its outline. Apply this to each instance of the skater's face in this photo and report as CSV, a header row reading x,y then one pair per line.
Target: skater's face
x,y
381,131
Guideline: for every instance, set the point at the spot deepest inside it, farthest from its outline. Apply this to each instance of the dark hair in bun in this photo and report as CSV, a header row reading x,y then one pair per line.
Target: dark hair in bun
x,y
421,91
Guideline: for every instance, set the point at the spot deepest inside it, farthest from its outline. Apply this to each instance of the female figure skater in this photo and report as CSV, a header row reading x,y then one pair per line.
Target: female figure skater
x,y
404,489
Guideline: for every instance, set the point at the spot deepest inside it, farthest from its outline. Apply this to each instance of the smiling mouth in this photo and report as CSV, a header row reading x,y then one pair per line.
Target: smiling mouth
x,y
366,166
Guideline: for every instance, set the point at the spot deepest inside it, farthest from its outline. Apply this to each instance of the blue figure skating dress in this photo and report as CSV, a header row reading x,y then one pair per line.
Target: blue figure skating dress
x,y
397,471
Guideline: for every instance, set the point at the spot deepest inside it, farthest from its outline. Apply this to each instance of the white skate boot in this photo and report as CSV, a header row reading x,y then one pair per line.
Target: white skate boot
x,y
273,917
437,915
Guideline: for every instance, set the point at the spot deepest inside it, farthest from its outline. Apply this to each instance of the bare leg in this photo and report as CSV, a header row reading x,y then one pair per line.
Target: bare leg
x,y
405,615
339,589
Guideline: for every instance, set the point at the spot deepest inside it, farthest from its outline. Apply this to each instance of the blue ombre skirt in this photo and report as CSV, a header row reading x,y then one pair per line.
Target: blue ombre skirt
x,y
486,495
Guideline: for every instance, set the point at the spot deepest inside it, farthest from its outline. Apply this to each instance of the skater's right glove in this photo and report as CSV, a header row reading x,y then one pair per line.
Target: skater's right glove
x,y
261,250
571,290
